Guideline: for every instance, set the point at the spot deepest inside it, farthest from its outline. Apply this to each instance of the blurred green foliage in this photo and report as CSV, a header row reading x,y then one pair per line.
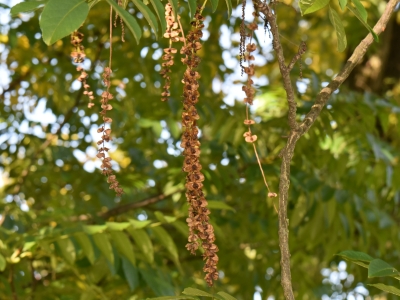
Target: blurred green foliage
x,y
58,237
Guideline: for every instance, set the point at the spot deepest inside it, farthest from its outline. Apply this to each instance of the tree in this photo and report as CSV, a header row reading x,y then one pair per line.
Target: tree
x,y
63,226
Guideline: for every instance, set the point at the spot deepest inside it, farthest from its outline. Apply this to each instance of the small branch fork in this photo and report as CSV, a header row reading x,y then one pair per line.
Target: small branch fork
x,y
299,129
300,52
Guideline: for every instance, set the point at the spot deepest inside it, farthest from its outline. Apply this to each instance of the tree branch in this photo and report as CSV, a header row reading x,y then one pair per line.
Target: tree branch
x,y
300,52
130,206
124,208
298,130
285,71
355,58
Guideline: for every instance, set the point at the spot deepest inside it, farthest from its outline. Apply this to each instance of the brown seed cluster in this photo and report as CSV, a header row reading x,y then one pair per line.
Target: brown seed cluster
x,y
78,55
250,92
173,34
106,132
201,231
249,70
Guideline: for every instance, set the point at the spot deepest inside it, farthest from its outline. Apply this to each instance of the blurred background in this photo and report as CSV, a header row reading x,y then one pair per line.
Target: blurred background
x,y
64,234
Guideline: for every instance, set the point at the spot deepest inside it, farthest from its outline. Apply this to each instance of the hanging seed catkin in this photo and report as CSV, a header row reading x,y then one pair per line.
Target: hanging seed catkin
x,y
249,90
78,55
201,232
106,135
172,33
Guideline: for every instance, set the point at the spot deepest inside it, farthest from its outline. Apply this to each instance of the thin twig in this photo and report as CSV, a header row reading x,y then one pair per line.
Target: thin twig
x,y
131,206
183,33
111,28
300,52
116,211
263,176
261,169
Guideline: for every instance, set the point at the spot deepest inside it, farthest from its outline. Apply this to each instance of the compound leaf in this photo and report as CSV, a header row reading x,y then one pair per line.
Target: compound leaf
x,y
60,18
340,33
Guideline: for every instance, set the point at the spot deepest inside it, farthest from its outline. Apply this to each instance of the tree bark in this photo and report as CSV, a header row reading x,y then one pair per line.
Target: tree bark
x,y
297,130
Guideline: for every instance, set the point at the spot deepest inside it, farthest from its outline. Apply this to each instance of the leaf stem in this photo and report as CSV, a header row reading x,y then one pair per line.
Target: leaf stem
x,y
203,6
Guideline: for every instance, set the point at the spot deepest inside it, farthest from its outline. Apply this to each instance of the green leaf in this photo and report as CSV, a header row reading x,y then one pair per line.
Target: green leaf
x,y
4,6
164,219
361,9
355,256
196,292
86,245
129,20
118,226
93,3
192,7
26,7
174,4
327,193
143,241
219,205
357,14
3,263
166,240
149,16
340,33
28,245
139,224
214,5
102,242
67,249
92,229
316,5
160,11
131,273
160,286
123,245
60,18
380,268
304,5
181,227
342,4
386,288
229,6
124,4
362,264
226,296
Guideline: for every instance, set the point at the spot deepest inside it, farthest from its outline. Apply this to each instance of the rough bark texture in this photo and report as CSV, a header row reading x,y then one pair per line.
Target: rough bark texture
x,y
297,130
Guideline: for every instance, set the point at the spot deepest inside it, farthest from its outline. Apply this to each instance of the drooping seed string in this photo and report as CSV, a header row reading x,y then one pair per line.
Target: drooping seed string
x,y
250,93
78,55
105,130
201,232
173,33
